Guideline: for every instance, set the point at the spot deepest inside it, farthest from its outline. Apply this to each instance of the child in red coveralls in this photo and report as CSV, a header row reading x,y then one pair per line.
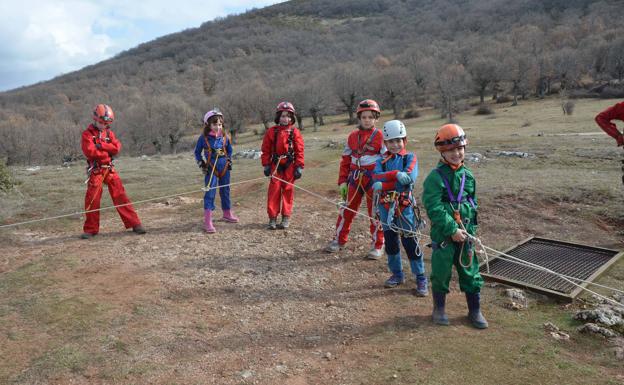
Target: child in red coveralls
x,y
604,120
99,145
282,157
364,147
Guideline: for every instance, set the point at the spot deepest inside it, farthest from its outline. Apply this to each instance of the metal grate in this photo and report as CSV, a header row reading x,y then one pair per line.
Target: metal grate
x,y
574,260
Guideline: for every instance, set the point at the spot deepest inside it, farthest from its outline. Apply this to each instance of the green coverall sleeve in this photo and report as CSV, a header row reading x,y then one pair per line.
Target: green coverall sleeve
x,y
442,223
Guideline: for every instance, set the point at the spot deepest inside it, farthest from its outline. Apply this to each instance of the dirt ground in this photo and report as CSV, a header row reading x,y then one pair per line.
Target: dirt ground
x,y
246,305
252,306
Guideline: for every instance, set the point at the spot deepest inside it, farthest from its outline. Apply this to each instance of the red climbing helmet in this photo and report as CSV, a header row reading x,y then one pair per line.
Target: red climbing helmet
x,y
450,136
368,105
103,114
286,106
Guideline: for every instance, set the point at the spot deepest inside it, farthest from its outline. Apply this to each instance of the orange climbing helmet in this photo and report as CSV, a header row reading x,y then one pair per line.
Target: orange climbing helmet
x,y
450,136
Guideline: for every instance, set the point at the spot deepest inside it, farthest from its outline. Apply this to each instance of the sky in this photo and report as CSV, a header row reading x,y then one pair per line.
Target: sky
x,y
41,39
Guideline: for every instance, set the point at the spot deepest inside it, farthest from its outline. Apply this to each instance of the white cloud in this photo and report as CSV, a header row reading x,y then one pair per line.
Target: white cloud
x,y
41,39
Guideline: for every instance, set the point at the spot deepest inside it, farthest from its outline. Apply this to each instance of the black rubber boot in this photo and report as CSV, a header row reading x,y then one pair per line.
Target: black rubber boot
x,y
439,316
474,311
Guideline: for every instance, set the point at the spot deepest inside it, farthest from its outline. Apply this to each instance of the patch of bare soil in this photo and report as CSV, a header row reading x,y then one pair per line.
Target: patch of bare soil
x,y
249,305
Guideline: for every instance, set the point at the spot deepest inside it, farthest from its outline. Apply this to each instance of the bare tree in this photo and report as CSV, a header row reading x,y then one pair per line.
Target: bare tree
x,y
394,85
450,84
349,83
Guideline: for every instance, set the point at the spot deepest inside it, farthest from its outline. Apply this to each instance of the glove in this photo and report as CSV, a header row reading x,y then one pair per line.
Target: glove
x,y
98,146
298,172
620,140
403,178
229,165
267,170
344,189
377,186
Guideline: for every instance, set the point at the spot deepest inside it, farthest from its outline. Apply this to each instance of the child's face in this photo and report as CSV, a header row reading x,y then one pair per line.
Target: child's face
x,y
454,156
100,126
367,120
216,126
284,118
395,145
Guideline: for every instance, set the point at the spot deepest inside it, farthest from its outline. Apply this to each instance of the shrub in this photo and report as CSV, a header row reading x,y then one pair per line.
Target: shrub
x,y
411,114
503,99
484,109
611,92
6,182
568,107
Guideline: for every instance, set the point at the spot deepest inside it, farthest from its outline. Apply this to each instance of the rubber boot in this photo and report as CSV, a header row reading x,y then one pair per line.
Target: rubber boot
x,y
272,224
208,227
228,216
439,317
474,311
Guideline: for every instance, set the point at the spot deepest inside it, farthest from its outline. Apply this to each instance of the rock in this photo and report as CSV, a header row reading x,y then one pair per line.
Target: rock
x,y
312,338
596,329
327,356
604,315
550,327
33,169
555,333
281,369
516,299
245,374
516,154
474,157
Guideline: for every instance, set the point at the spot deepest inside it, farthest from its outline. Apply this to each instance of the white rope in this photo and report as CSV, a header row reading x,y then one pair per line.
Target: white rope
x,y
126,204
477,240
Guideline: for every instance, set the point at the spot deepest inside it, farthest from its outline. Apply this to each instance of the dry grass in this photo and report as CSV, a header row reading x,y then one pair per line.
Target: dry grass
x,y
59,322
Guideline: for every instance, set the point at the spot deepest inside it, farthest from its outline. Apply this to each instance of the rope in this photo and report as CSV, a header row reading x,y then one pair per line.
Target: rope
x,y
477,240
126,204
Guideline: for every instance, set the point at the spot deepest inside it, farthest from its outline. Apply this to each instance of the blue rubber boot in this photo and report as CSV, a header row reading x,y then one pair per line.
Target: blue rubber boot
x,y
439,316
474,311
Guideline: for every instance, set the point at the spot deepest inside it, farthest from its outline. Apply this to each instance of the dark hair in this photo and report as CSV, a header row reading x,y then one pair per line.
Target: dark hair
x,y
211,120
279,113
375,114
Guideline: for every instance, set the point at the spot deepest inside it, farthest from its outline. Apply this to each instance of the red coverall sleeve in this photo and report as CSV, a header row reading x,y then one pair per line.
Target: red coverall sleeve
x,y
604,121
267,147
114,146
298,147
345,163
90,151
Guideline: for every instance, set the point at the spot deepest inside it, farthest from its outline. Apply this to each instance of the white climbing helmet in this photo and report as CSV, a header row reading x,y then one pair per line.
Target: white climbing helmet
x,y
394,129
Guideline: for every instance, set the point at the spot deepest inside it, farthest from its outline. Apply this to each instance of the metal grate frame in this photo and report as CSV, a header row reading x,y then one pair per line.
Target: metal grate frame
x,y
574,260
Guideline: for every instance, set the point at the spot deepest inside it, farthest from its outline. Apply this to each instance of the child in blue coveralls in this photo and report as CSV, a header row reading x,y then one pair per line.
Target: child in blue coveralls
x,y
216,164
395,174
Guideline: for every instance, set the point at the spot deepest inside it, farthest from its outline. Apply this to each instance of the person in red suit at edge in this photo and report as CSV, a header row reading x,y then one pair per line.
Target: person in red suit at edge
x,y
282,156
99,145
605,121
364,147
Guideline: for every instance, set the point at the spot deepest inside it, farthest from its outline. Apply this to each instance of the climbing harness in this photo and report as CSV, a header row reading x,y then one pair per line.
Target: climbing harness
x,y
458,200
219,152
290,152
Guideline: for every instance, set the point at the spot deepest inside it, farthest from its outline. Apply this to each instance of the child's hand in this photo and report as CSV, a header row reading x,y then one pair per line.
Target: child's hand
x,y
403,178
344,189
298,173
377,186
267,170
459,236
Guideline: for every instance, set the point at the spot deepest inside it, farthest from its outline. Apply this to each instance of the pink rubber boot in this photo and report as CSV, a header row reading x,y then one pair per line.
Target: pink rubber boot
x,y
228,216
208,227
